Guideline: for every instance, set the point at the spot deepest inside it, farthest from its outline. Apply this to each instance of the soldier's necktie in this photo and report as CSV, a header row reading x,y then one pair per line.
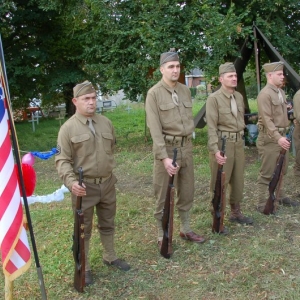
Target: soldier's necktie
x,y
91,125
233,106
175,98
280,96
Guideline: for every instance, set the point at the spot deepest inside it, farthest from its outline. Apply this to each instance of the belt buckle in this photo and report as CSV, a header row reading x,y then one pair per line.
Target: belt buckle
x,y
97,180
232,135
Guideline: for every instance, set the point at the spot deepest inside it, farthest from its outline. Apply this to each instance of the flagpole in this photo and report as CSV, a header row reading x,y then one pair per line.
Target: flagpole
x,y
21,179
9,285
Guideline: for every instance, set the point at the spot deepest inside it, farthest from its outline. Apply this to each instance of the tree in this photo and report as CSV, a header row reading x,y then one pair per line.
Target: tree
x,y
43,58
124,38
50,44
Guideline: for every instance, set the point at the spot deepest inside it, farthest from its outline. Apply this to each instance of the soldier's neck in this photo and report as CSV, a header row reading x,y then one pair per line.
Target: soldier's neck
x,y
230,90
170,83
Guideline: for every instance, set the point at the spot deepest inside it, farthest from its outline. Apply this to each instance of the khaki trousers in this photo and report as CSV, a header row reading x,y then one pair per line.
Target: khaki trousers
x,y
233,168
268,151
102,199
183,181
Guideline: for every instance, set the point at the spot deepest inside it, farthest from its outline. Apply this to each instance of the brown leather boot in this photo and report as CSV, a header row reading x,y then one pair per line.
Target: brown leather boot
x,y
237,216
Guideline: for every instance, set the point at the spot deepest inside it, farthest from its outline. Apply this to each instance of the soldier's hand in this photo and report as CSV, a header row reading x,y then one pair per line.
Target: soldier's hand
x,y
169,167
78,190
220,159
284,143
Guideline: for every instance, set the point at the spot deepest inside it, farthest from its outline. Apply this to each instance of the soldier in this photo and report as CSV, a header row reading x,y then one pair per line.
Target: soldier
x,y
296,141
170,120
225,118
273,124
87,140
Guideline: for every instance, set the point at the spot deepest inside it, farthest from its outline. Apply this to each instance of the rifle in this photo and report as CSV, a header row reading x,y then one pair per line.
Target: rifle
x,y
78,242
168,214
276,179
219,199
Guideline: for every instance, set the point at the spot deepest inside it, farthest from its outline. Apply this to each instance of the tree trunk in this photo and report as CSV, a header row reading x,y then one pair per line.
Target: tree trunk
x,y
68,96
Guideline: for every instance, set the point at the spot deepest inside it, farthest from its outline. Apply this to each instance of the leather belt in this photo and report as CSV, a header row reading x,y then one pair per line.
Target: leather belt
x,y
96,180
234,136
178,141
281,130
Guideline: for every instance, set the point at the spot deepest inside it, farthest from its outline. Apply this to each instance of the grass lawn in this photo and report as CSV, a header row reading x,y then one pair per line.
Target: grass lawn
x,y
252,262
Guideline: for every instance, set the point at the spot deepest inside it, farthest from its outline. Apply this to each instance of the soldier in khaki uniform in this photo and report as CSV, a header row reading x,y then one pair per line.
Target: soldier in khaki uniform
x,y
170,120
87,140
273,124
296,141
225,118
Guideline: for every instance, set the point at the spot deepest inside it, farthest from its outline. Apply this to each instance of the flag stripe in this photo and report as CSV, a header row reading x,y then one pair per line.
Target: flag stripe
x,y
15,250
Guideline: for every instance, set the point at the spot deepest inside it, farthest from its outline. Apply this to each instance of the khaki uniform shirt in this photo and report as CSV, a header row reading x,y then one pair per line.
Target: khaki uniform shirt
x,y
164,117
78,147
272,112
220,118
296,102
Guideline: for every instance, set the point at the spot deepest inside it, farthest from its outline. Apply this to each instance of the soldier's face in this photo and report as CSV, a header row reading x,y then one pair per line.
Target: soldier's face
x,y
277,78
229,80
170,71
85,104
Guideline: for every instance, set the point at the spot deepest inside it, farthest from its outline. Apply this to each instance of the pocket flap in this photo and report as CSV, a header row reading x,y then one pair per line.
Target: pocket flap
x,y
167,106
188,104
107,135
80,138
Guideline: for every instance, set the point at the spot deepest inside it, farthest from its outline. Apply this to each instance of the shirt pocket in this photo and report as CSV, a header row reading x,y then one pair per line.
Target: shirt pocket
x,y
225,115
277,108
167,112
82,144
107,139
188,109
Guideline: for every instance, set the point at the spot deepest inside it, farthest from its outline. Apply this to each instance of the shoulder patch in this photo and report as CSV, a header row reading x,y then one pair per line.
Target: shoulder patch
x,y
58,149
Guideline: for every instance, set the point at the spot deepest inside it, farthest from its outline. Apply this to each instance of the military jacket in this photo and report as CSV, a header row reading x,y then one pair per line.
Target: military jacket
x,y
296,101
219,116
272,112
79,147
164,117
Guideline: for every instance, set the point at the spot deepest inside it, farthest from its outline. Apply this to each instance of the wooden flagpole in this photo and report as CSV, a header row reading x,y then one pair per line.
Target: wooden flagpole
x,y
9,285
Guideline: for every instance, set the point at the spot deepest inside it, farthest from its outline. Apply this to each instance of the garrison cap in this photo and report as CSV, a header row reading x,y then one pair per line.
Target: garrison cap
x,y
172,55
272,67
226,68
83,88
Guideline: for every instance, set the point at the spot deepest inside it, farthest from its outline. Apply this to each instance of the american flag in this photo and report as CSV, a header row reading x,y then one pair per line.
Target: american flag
x,y
15,250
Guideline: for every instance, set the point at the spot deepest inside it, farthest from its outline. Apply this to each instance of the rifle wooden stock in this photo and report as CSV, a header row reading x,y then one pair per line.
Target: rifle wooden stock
x,y
275,183
219,199
168,216
78,242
